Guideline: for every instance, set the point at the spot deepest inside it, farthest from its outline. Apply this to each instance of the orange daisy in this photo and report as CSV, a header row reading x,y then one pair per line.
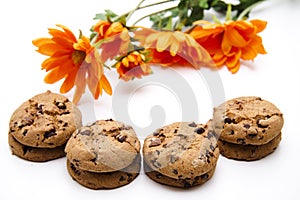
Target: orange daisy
x,y
229,42
75,61
116,37
173,48
133,66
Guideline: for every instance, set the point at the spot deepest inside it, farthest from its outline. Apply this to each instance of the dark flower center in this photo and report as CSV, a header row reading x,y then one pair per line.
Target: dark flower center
x,y
78,56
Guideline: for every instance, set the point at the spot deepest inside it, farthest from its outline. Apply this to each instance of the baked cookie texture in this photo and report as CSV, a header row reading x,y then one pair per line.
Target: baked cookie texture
x,y
34,153
249,127
103,146
104,154
42,125
105,180
183,152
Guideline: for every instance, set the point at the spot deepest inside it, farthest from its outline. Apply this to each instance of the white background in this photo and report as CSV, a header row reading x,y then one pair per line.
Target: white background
x,y
274,77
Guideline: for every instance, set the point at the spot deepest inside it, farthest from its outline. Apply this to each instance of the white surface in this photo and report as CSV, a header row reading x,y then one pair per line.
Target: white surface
x,y
274,77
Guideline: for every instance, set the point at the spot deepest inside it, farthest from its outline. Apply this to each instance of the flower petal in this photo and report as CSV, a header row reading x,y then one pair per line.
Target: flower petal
x,y
234,37
260,24
69,82
163,42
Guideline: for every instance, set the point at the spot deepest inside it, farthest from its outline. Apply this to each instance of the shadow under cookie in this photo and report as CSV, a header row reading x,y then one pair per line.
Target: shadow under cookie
x,y
248,152
181,183
34,153
105,180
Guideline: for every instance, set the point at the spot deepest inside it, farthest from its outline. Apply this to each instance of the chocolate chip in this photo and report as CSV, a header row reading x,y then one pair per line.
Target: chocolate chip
x,y
121,138
50,133
109,120
122,179
158,175
126,128
155,142
61,105
204,176
173,158
155,163
40,108
212,134
227,120
231,132
199,130
260,125
175,171
25,149
251,135
77,172
129,177
186,184
66,113
193,124
86,132
25,132
247,126
176,130
155,133
241,141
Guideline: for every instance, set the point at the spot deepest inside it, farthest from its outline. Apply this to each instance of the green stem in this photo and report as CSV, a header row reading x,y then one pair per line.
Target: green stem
x,y
228,13
154,13
247,10
135,9
139,8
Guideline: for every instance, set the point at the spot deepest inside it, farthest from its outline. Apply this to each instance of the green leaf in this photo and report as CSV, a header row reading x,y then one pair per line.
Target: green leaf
x,y
110,13
100,16
203,4
196,14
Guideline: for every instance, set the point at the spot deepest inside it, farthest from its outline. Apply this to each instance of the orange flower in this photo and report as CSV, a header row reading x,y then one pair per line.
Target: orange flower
x,y
117,39
133,66
74,60
173,48
229,42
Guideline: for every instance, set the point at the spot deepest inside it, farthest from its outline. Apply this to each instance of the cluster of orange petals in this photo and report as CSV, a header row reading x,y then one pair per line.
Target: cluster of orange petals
x,y
229,42
173,48
133,66
75,61
115,38
80,63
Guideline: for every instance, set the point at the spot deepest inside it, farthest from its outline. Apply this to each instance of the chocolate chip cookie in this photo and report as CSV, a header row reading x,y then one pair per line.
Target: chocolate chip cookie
x,y
179,182
33,153
246,123
103,146
41,126
182,151
46,120
108,180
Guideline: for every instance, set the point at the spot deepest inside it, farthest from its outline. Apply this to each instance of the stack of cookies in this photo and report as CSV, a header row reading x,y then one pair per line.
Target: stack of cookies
x,y
104,154
41,126
181,154
249,128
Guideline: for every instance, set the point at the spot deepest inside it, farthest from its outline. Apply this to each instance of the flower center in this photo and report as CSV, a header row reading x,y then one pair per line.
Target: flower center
x,y
78,56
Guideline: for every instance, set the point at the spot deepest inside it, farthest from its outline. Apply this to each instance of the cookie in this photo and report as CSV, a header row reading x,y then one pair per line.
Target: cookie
x,y
33,153
249,128
181,150
108,180
46,120
247,120
103,146
181,183
248,152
